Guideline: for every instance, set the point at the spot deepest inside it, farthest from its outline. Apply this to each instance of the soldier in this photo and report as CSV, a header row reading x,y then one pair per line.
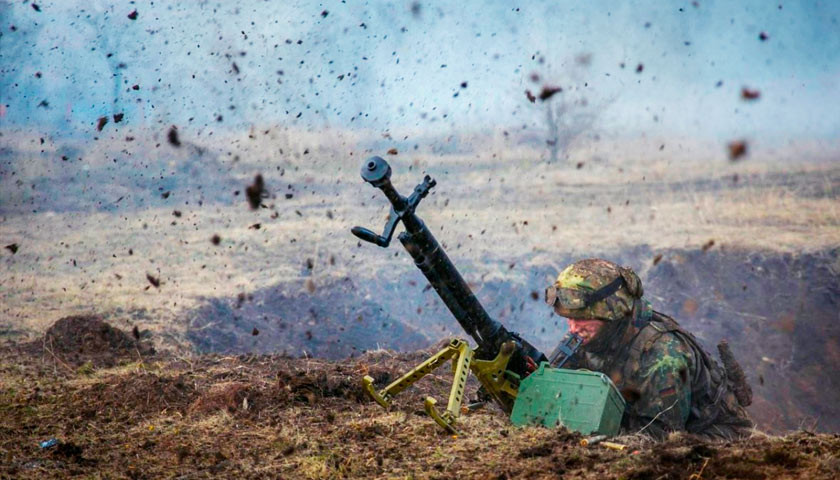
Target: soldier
x,y
668,381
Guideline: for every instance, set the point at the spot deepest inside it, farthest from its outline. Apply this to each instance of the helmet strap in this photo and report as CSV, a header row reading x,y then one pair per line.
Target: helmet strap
x,y
605,291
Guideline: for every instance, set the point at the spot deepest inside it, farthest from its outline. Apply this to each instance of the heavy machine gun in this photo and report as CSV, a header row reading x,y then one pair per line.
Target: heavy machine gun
x,y
502,357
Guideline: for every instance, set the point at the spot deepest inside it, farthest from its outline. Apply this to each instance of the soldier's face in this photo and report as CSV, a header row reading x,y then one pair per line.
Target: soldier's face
x,y
586,328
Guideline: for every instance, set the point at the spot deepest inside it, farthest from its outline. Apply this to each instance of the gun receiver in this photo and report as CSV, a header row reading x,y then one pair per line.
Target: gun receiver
x,y
431,259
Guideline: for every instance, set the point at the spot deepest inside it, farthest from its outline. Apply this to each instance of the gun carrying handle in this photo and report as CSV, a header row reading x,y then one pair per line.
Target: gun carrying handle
x,y
369,236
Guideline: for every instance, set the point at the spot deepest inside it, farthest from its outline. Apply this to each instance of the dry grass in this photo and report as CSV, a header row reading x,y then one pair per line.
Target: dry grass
x,y
627,193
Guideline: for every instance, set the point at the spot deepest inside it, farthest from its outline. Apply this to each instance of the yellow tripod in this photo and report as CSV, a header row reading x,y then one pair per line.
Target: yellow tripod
x,y
500,384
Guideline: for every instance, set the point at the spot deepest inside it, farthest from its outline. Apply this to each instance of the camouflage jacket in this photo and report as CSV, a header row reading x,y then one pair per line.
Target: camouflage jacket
x,y
668,381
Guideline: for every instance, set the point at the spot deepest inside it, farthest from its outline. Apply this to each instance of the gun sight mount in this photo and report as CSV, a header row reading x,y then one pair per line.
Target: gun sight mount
x,y
377,172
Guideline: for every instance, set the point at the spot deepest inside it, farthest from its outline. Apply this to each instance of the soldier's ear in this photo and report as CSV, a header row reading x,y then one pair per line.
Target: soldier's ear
x,y
632,282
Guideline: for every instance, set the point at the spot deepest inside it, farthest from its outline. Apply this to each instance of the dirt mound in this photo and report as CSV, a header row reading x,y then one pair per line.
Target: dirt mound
x,y
77,340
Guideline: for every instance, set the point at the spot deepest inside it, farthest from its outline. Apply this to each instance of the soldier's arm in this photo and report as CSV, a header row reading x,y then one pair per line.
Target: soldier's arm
x,y
664,396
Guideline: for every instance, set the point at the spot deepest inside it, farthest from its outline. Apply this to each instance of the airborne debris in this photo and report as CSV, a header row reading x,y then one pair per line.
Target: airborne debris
x,y
531,97
392,151
155,281
255,332
737,149
548,91
708,245
12,248
100,124
135,332
118,117
240,300
750,93
583,59
132,15
172,136
215,239
763,36
256,226
255,192
165,194
640,68
657,259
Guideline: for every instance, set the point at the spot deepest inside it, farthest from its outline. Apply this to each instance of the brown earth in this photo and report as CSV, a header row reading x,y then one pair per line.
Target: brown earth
x,y
153,416
81,339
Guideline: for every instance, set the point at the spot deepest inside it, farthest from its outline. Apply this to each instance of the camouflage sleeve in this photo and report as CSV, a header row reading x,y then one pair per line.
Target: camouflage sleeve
x,y
664,384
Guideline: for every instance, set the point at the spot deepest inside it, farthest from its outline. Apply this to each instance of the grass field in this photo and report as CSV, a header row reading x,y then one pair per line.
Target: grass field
x,y
91,231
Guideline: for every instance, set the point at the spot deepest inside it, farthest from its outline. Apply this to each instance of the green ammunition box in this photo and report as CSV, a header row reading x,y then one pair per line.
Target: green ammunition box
x,y
581,400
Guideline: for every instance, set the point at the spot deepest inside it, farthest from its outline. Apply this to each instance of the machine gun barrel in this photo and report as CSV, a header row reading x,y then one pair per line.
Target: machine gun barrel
x,y
432,260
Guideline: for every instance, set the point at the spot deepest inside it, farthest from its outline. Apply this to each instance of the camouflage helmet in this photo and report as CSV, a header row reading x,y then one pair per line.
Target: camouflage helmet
x,y
594,288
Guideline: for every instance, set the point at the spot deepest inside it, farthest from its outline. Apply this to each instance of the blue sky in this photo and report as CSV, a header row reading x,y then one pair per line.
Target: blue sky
x,y
403,64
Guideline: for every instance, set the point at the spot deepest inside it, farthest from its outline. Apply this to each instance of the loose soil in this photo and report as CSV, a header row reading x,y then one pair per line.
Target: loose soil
x,y
87,339
272,416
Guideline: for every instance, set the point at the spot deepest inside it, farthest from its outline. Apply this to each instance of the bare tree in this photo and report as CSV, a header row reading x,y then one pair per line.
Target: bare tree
x,y
567,121
109,40
569,115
